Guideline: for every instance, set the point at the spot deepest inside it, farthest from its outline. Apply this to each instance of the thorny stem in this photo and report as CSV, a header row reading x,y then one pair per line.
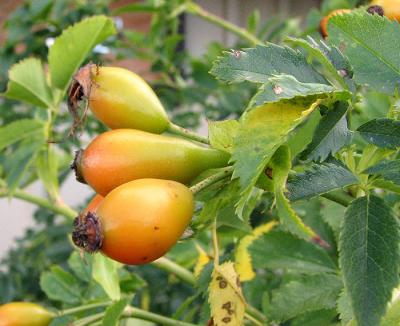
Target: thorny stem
x,y
173,268
227,171
42,202
196,10
177,130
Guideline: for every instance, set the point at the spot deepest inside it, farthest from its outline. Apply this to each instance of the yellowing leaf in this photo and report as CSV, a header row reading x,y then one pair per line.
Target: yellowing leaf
x,y
225,296
201,261
243,263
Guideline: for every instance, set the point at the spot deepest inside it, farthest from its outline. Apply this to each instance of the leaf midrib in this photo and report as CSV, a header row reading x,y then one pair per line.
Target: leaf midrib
x,y
375,53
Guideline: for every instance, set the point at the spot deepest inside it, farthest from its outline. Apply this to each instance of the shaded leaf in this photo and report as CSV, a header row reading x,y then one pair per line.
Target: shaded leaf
x,y
330,135
27,83
381,132
278,249
61,286
390,170
71,48
309,293
371,43
47,170
369,257
81,266
320,179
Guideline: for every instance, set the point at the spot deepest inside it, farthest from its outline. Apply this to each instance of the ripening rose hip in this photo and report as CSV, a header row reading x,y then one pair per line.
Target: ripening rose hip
x,y
121,155
137,222
119,98
24,314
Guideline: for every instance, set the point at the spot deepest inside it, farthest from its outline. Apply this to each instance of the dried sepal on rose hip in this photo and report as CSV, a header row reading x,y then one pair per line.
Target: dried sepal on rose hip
x,y
137,222
117,97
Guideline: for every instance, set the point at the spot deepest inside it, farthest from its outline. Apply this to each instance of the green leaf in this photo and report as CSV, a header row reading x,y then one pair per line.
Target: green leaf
x,y
221,207
27,83
381,132
390,170
81,266
281,164
18,130
315,52
222,134
61,286
47,170
369,257
278,249
287,87
331,134
344,307
371,43
326,317
71,48
20,160
105,272
261,63
114,312
309,293
387,185
262,131
320,179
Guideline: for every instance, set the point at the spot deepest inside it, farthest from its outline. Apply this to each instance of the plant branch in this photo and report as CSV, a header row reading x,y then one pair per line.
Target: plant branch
x,y
339,197
42,202
214,237
146,315
88,320
82,308
227,171
171,267
196,10
177,130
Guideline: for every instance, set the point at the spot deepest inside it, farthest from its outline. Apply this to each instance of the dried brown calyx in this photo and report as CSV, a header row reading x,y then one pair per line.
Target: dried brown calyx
x,y
87,233
75,166
79,91
376,10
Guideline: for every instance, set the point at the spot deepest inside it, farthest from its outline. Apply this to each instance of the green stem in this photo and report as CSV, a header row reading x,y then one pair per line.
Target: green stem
x,y
146,315
339,197
89,320
177,130
82,308
255,313
42,202
171,267
212,179
196,10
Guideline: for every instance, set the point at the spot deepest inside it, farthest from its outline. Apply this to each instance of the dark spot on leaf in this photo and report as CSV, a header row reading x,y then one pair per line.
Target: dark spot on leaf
x,y
226,319
257,149
228,307
223,284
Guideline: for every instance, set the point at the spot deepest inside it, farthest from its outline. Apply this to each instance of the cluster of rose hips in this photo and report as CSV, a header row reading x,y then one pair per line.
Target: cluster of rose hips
x,y
142,205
